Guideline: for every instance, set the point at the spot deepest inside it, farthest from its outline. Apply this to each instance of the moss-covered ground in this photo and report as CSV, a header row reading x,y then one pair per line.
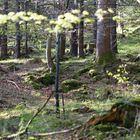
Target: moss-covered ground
x,y
88,90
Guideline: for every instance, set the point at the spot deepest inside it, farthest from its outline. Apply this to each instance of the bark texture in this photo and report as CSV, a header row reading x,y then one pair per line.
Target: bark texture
x,y
3,36
95,22
74,34
113,25
63,44
81,32
26,7
48,54
18,35
103,49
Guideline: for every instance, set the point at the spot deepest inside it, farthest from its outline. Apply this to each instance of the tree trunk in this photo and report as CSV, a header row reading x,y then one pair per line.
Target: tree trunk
x,y
113,25
63,44
3,37
74,34
18,35
48,54
95,22
73,43
26,6
103,50
81,32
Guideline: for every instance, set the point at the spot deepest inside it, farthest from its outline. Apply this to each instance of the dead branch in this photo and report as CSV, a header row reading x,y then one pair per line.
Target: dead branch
x,y
55,133
14,83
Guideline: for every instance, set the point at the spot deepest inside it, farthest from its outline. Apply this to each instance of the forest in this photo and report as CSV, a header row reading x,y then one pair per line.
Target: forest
x,y
69,69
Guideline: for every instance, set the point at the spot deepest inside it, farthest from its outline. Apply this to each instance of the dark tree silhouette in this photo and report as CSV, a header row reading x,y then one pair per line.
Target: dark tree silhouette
x,y
81,32
18,35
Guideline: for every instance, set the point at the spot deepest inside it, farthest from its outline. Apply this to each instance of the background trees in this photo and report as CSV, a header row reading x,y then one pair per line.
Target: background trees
x,y
34,27
24,36
3,36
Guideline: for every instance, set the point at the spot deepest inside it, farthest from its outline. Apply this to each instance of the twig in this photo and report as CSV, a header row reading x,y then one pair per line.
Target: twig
x,y
124,128
55,133
14,83
24,131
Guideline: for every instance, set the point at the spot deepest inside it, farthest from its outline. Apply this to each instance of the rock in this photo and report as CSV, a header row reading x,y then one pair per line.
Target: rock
x,y
84,70
46,79
70,84
39,80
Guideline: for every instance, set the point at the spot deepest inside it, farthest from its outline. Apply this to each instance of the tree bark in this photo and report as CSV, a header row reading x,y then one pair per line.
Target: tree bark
x,y
113,25
3,37
74,34
95,22
26,6
74,43
63,44
103,50
18,35
48,54
81,32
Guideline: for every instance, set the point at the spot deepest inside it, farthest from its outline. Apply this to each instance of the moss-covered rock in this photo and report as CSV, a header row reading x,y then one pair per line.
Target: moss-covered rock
x,y
81,93
84,70
46,79
38,81
105,127
36,85
70,84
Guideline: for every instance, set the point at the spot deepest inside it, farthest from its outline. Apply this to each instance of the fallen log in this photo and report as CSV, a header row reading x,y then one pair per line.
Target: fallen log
x,y
123,113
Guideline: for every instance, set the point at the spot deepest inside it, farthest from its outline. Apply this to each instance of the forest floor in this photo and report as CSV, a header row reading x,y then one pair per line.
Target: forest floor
x,y
96,91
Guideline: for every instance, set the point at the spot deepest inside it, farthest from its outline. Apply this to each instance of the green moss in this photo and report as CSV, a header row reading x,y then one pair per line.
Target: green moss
x,y
37,86
128,104
47,79
38,81
84,70
81,94
105,127
96,78
130,108
70,84
106,58
129,119
133,68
